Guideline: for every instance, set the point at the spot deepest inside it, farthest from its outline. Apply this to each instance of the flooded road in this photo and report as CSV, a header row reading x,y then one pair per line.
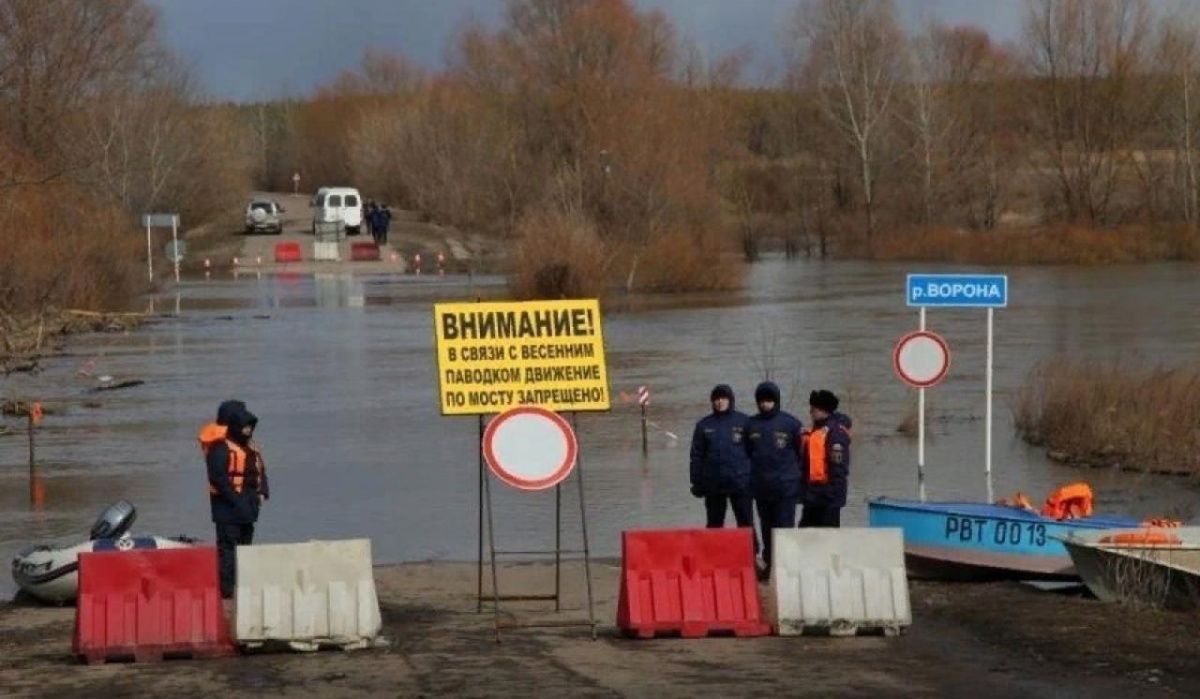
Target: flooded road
x,y
341,372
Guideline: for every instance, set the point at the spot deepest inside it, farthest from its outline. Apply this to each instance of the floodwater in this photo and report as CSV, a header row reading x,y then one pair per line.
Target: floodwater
x,y
340,370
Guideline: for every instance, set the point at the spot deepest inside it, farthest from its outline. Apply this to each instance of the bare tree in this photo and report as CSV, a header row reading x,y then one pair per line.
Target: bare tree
x,y
55,55
1178,60
854,58
928,116
1088,58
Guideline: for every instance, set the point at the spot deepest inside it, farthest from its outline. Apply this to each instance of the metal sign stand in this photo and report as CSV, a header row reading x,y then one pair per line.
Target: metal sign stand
x,y
959,291
161,221
485,508
921,428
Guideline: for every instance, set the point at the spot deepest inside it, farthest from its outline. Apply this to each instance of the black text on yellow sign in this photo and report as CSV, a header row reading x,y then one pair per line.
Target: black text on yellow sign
x,y
496,356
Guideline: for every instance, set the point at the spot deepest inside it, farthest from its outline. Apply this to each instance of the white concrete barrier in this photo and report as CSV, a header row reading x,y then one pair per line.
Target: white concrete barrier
x,y
320,593
839,581
326,251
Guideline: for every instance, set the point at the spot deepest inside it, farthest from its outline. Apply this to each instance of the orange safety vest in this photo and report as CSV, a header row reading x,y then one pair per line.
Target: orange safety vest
x,y
212,433
1069,502
814,443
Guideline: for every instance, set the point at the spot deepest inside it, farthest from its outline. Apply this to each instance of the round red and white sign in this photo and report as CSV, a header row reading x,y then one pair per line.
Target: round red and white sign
x,y
921,359
530,448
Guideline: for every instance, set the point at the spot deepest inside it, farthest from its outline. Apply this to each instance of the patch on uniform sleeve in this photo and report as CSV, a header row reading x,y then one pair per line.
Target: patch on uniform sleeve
x,y
837,454
737,435
781,440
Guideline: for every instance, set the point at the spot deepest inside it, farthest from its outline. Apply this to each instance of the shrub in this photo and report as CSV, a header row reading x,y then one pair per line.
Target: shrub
x,y
1105,413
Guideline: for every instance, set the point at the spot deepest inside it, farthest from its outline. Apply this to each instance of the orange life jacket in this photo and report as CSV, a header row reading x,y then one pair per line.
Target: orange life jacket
x,y
814,443
1071,501
213,433
1144,537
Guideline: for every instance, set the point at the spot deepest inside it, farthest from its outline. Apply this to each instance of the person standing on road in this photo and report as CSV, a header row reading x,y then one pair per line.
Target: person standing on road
x,y
237,483
773,441
825,462
720,466
385,223
369,219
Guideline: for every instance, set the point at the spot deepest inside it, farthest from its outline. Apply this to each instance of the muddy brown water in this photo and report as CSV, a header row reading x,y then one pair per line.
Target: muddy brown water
x,y
341,371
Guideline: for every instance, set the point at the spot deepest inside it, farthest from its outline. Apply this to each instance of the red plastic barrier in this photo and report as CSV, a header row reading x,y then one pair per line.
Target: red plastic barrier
x,y
288,252
148,604
691,582
364,252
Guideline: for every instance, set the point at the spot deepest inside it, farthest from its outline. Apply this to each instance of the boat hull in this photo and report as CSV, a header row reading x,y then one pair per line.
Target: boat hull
x,y
1155,575
51,573
977,542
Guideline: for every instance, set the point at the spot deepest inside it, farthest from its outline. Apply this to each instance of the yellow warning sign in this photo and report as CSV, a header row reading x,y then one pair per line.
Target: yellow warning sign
x,y
495,356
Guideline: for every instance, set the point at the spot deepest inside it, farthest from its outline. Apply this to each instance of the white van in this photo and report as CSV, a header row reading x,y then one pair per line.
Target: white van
x,y
338,204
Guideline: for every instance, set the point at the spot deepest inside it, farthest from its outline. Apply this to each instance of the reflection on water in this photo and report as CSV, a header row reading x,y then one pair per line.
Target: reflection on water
x,y
341,371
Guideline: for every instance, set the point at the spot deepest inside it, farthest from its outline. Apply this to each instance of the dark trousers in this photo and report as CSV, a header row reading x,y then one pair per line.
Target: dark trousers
x,y
774,514
821,516
743,512
229,537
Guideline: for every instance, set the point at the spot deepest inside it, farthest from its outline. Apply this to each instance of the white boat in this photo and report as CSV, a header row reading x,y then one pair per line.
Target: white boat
x,y
1158,567
50,573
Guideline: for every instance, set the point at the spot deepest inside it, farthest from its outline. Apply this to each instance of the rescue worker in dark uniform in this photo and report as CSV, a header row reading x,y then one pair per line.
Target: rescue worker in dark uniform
x,y
237,483
773,441
720,467
825,462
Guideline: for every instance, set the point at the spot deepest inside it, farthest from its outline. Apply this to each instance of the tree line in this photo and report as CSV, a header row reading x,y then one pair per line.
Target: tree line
x,y
604,149
99,123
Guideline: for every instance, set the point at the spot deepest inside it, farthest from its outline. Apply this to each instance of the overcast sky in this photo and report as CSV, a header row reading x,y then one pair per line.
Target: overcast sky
x,y
258,49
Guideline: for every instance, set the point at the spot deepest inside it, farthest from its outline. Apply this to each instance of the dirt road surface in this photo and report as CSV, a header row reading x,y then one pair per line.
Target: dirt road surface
x,y
977,641
408,237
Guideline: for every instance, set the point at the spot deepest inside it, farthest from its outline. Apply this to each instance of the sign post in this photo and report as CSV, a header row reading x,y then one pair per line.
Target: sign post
x,y
988,291
160,221
921,360
643,398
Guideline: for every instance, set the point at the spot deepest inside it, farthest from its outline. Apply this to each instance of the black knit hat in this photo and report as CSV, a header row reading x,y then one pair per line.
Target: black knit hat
x,y
721,391
767,391
823,400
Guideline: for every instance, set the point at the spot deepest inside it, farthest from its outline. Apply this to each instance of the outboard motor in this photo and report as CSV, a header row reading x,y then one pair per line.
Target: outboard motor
x,y
114,521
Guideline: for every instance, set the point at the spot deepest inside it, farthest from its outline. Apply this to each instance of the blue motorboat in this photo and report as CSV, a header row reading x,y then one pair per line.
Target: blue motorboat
x,y
978,541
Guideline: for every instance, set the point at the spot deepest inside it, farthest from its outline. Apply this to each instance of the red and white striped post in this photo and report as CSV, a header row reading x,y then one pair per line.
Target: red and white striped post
x,y
643,399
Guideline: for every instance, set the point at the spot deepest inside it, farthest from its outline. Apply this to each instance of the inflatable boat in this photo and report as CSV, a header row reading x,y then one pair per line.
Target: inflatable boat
x,y
50,573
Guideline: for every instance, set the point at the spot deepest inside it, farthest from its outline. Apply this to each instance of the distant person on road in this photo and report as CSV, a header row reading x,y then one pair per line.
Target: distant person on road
x,y
369,214
384,223
720,466
825,462
773,441
237,483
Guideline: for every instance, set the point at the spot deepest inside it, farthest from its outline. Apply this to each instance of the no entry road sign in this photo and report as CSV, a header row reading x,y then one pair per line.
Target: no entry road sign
x,y
530,448
958,290
921,359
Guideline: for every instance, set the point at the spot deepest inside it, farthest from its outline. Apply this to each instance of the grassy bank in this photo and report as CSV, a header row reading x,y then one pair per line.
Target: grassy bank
x,y
1110,414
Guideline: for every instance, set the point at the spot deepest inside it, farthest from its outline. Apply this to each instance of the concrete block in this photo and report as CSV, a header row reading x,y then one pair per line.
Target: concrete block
x,y
320,593
839,581
326,251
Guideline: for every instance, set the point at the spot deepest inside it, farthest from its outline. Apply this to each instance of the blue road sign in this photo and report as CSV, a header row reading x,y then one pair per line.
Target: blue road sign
x,y
958,290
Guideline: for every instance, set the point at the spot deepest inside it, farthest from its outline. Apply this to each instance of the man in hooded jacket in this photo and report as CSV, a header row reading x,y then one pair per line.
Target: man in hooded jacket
x,y
825,462
237,483
773,439
720,467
